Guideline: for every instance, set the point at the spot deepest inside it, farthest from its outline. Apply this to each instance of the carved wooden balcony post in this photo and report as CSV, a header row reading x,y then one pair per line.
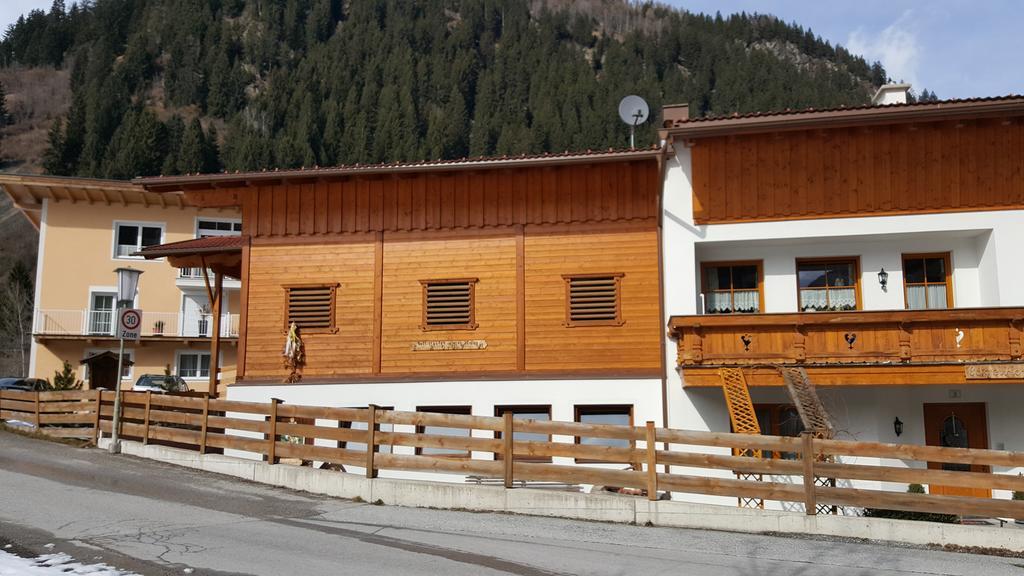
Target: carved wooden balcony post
x,y
905,351
1015,347
799,343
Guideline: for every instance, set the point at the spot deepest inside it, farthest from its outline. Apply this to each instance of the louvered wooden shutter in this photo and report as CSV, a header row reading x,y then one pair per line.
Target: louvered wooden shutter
x,y
448,304
593,299
311,307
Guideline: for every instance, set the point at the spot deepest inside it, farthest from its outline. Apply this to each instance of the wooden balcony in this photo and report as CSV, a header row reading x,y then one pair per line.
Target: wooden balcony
x,y
960,346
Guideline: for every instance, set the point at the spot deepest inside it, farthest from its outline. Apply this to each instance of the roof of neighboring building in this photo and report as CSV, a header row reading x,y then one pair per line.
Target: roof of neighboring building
x,y
169,183
28,191
207,245
788,119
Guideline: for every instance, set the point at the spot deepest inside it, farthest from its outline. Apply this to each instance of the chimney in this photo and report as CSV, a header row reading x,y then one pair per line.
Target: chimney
x,y
891,94
670,113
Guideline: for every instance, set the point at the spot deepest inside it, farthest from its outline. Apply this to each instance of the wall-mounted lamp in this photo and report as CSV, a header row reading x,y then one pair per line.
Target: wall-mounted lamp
x,y
883,279
897,427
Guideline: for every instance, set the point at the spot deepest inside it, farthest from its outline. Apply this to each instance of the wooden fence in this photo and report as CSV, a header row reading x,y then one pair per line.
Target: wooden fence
x,y
646,458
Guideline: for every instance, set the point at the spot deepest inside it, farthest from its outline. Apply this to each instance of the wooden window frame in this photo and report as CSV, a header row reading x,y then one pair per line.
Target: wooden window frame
x,y
499,412
947,256
333,328
570,323
462,410
583,409
855,260
731,263
472,325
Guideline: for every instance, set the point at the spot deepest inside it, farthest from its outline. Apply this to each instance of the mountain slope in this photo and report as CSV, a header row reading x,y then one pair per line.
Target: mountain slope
x,y
172,86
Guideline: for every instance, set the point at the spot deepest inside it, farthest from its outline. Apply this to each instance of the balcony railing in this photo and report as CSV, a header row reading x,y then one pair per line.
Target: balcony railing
x,y
102,323
858,337
194,273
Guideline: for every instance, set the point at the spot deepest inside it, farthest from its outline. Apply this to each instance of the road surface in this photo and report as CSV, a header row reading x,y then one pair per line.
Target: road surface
x,y
154,518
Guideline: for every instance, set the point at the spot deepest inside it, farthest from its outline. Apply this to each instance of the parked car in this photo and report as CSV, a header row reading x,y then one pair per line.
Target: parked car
x,y
22,384
160,384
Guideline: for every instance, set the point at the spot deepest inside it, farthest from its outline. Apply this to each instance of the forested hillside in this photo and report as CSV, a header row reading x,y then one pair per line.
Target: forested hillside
x,y
174,86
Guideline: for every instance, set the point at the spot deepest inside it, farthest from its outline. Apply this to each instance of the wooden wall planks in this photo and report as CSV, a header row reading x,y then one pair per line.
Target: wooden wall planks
x,y
604,192
911,168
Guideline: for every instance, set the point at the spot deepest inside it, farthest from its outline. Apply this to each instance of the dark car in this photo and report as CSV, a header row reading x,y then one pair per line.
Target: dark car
x,y
22,384
160,384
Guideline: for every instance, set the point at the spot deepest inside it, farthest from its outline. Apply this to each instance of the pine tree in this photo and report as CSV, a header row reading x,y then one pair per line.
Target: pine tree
x,y
192,153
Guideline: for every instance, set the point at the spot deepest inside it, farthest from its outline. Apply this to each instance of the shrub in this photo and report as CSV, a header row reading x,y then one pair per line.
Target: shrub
x,y
64,379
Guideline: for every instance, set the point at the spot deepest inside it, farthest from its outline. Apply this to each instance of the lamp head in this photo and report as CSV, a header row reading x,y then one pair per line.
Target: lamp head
x,y
127,284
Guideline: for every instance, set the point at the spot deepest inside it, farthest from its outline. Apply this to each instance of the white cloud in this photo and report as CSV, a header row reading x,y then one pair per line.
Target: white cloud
x,y
897,47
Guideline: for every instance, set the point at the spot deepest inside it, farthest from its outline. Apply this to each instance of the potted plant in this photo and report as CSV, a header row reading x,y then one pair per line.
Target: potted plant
x,y
158,328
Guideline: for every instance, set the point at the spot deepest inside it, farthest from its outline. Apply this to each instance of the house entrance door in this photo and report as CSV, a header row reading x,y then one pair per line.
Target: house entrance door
x,y
957,425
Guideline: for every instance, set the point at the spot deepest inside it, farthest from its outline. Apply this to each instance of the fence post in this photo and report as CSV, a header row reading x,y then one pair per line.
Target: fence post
x,y
206,420
652,463
371,425
508,451
145,418
99,414
37,410
807,453
272,433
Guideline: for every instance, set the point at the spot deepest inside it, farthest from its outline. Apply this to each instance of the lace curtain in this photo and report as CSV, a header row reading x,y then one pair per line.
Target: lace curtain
x,y
740,301
922,297
832,299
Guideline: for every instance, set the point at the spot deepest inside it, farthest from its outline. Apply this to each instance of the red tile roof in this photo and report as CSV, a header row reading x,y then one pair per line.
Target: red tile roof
x,y
212,244
171,182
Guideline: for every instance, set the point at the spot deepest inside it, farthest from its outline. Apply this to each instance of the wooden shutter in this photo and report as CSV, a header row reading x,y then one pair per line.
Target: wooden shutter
x,y
311,308
449,304
593,300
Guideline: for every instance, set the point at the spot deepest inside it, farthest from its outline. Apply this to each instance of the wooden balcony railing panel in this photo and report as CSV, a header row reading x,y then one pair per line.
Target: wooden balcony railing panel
x,y
187,422
860,337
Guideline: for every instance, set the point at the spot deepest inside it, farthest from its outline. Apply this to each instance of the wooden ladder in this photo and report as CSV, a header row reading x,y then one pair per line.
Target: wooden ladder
x,y
744,421
808,404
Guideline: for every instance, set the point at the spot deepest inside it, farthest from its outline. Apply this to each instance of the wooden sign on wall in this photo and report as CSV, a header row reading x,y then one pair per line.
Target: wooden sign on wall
x,y
994,371
427,345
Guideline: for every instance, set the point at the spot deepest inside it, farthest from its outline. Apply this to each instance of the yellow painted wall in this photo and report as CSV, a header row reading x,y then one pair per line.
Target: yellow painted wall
x,y
79,254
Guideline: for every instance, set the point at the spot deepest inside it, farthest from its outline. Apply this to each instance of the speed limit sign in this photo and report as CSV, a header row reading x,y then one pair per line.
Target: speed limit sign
x,y
129,324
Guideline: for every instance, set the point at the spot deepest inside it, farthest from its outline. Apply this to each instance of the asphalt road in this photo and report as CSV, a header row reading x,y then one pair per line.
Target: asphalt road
x,y
155,518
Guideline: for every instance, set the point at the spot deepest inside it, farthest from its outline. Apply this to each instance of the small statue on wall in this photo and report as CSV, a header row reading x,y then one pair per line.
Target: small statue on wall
x,y
294,355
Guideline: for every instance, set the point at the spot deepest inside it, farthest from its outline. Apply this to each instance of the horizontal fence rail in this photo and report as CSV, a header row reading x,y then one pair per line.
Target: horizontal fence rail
x,y
646,459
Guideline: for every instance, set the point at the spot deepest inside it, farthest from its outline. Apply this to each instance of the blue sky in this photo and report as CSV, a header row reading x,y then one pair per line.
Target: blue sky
x,y
956,48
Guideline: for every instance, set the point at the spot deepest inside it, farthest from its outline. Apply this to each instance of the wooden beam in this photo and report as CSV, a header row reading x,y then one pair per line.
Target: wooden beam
x,y
218,295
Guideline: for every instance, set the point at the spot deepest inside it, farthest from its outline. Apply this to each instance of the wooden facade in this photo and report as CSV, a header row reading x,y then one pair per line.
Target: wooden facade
x,y
514,233
963,346
901,168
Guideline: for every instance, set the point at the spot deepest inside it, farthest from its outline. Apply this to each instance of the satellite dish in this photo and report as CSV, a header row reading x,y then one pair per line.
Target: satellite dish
x,y
633,110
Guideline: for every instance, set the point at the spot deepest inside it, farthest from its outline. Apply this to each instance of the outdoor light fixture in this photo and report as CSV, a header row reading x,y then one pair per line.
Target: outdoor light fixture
x,y
127,285
897,426
883,279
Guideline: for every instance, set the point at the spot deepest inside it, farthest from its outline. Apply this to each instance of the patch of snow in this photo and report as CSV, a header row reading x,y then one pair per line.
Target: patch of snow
x,y
53,565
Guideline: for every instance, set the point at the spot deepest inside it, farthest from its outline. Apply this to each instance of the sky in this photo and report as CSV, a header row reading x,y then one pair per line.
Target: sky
x,y
955,48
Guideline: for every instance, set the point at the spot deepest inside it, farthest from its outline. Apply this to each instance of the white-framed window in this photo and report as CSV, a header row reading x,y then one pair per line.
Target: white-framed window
x,y
206,227
193,365
130,237
102,305
126,369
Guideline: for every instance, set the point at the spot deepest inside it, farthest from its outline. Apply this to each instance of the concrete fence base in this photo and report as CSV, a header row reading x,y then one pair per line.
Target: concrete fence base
x,y
600,507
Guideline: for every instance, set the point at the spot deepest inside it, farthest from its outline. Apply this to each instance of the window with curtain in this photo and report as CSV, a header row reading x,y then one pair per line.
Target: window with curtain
x,y
827,285
732,288
927,281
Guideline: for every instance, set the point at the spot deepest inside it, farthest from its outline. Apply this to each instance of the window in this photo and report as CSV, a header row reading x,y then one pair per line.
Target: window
x,y
130,238
593,300
311,307
449,304
101,313
617,415
206,228
194,365
361,446
779,420
828,285
732,287
927,281
444,431
526,413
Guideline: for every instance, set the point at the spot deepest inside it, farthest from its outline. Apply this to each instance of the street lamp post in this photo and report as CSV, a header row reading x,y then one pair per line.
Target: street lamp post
x,y
127,285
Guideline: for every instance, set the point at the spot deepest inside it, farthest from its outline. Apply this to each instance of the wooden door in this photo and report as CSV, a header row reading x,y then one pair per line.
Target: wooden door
x,y
957,425
103,374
